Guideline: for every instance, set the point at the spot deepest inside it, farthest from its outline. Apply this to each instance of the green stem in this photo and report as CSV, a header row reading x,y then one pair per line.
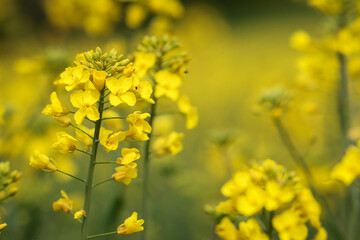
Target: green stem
x,y
88,187
83,151
102,234
68,174
82,131
146,174
99,183
343,101
270,226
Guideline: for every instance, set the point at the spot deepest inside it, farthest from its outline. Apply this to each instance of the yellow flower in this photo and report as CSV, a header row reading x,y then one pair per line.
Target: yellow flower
x,y
85,101
301,40
167,84
135,15
111,143
129,155
289,226
131,225
251,230
99,79
143,90
321,234
189,111
2,226
226,230
119,91
170,144
309,208
65,144
173,8
138,126
43,162
79,214
125,173
143,62
74,77
349,168
56,108
251,202
276,195
64,120
63,203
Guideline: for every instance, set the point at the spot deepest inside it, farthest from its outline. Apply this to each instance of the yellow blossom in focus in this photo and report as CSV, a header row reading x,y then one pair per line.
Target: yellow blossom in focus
x,y
56,108
85,101
125,173
167,84
79,214
43,162
144,90
290,226
111,143
63,203
74,77
171,144
131,225
65,144
99,79
349,168
189,111
129,155
138,126
143,62
135,15
120,91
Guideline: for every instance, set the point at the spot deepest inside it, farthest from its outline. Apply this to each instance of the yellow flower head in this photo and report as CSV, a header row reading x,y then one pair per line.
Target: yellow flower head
x,y
119,88
74,77
85,101
65,144
63,203
111,143
43,162
125,173
226,230
79,214
349,168
99,79
251,202
171,144
138,126
56,108
189,111
129,155
143,62
131,225
289,224
167,84
251,230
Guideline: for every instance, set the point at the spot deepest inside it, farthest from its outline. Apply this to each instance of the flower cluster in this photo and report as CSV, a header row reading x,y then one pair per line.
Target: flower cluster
x,y
7,177
348,169
268,190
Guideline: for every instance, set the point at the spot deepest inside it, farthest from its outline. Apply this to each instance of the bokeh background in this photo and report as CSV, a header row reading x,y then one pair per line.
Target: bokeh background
x,y
237,49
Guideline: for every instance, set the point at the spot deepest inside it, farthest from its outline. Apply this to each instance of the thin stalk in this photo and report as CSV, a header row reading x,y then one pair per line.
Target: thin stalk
x,y
82,130
83,152
146,174
343,101
88,187
299,160
68,174
104,181
102,235
270,226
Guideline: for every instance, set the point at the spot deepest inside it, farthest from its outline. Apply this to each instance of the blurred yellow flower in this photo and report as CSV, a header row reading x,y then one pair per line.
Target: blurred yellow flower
x,y
251,230
189,111
85,101
65,144
251,202
131,225
43,162
2,226
143,62
301,40
167,84
63,203
289,225
349,168
170,144
226,230
79,214
135,15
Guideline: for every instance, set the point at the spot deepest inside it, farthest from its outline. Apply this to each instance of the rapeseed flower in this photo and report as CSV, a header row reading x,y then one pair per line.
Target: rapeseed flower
x,y
131,225
129,155
349,168
64,203
138,126
125,173
43,162
65,144
119,89
85,101
167,84
56,108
